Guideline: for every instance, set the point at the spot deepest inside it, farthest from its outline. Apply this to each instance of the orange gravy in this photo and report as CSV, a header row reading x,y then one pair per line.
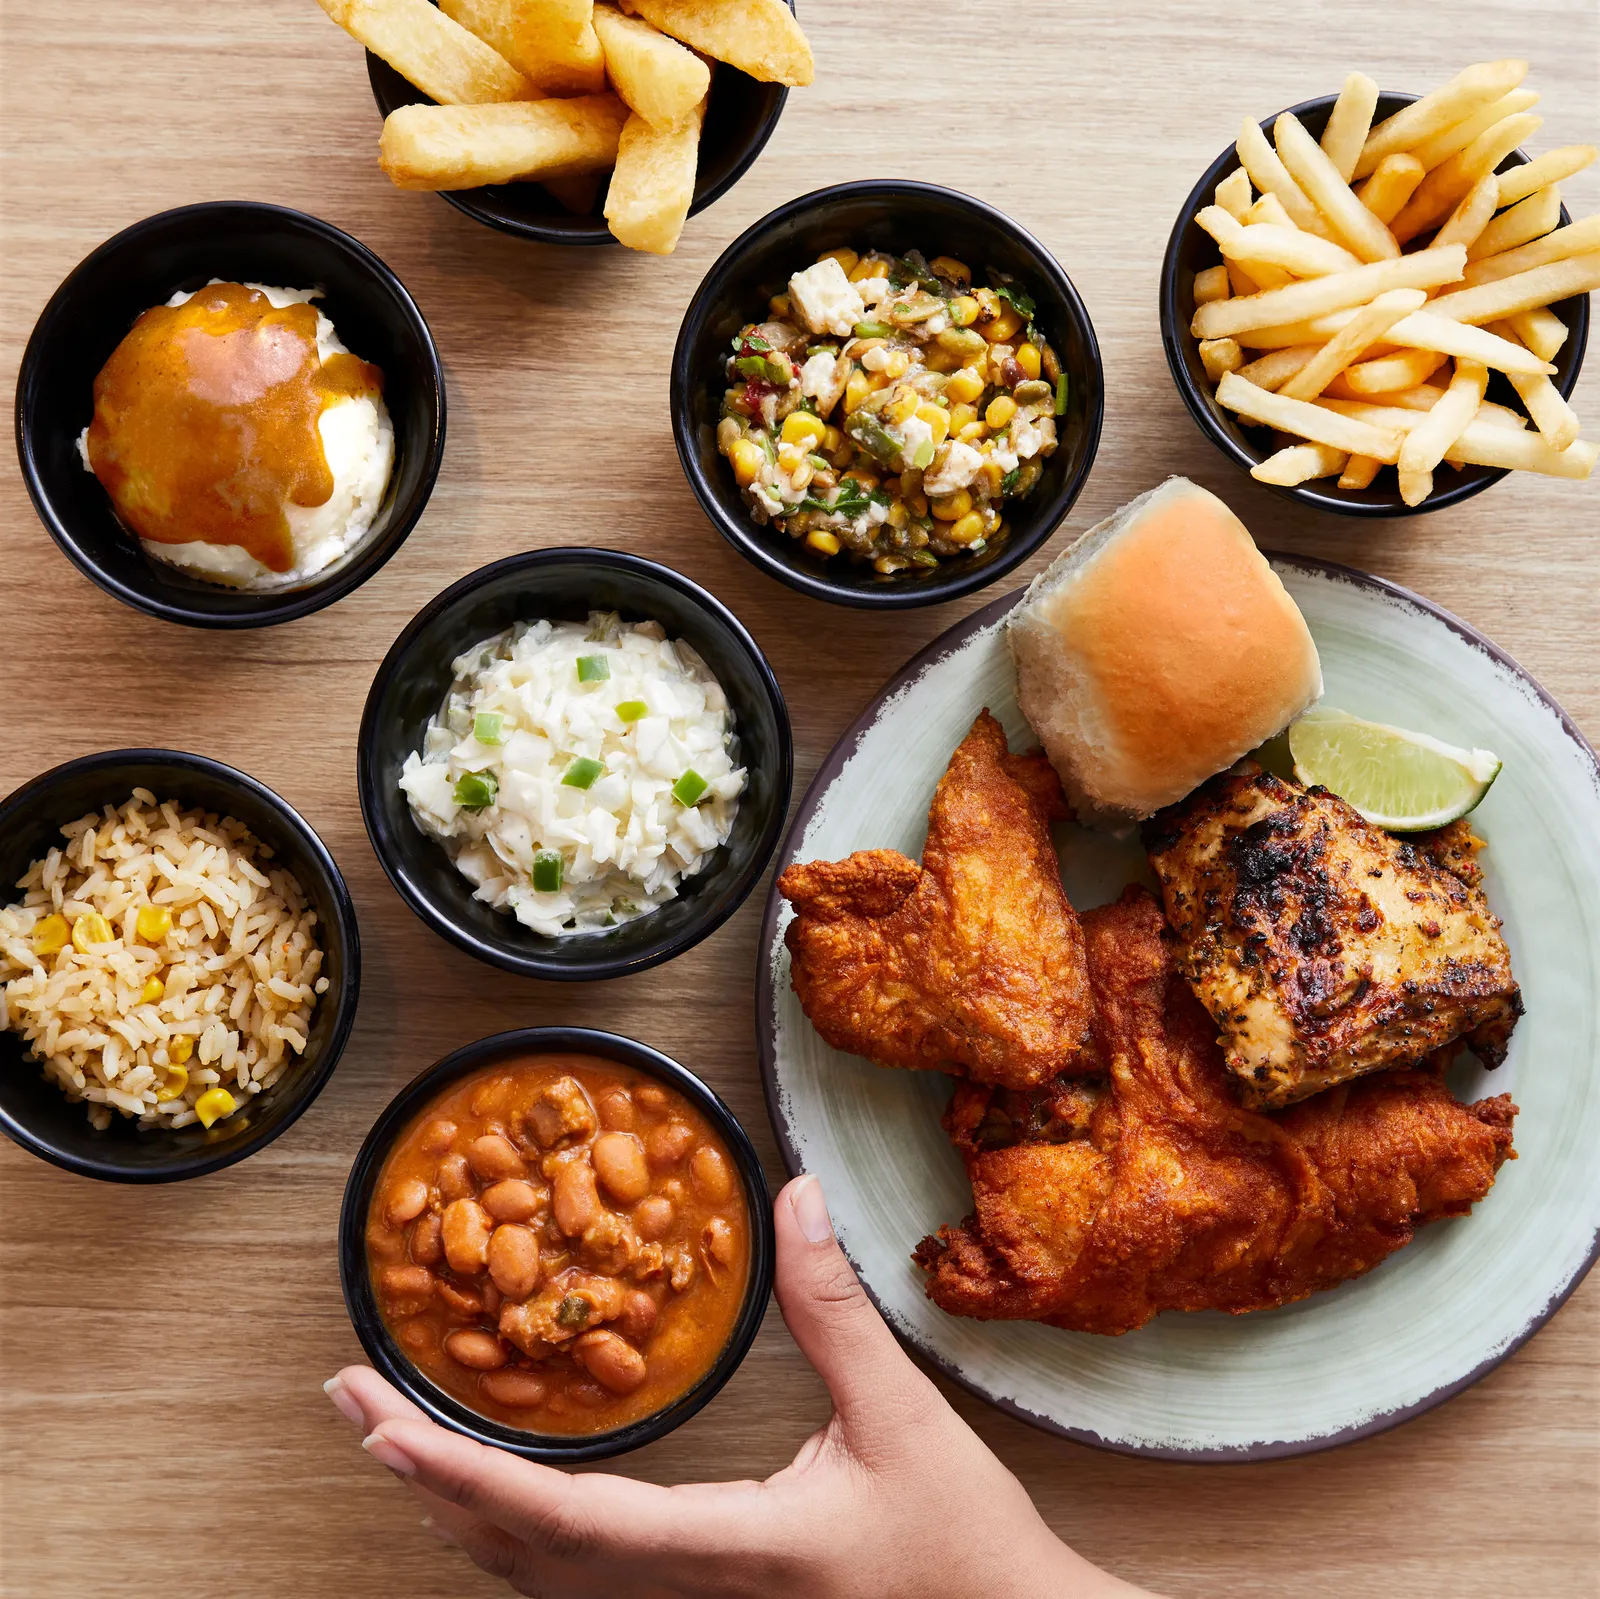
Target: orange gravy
x,y
205,421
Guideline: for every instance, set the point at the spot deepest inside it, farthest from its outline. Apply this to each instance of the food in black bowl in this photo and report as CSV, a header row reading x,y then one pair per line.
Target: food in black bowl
x,y
574,763
867,342
557,1241
179,965
230,415
1478,323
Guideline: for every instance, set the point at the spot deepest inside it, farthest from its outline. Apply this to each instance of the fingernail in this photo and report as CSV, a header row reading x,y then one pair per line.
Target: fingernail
x,y
389,1454
443,1534
811,1211
343,1400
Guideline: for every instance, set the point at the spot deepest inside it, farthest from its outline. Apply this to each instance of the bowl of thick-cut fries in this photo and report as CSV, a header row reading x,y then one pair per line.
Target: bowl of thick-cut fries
x,y
1377,304
577,121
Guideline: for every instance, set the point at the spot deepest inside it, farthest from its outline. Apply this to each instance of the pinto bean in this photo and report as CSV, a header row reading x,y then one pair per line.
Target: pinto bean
x,y
514,1260
472,1346
720,1244
455,1178
407,1200
612,1361
620,1165
427,1240
650,1096
638,1318
511,1200
406,1282
574,1199
517,1390
463,1301
615,1110
493,1157
709,1173
653,1217
667,1144
437,1137
466,1229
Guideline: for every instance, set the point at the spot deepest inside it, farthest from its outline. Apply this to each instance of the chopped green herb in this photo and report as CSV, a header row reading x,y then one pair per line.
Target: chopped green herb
x,y
582,773
593,669
547,870
632,710
747,342
851,499
475,790
758,366
1009,482
873,330
1061,395
1014,296
573,1311
688,789
489,727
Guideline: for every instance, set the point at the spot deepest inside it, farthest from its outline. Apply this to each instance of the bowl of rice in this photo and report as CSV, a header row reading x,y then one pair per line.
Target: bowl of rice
x,y
179,965
574,764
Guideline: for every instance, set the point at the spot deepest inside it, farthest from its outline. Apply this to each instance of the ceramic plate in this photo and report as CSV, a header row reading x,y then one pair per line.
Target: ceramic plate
x,y
1435,1316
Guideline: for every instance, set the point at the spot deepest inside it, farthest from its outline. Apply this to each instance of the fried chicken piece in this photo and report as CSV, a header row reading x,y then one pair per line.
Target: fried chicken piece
x,y
1100,1204
1323,946
973,961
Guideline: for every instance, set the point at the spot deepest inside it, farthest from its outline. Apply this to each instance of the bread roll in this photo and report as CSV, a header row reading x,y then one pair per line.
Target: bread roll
x,y
1156,651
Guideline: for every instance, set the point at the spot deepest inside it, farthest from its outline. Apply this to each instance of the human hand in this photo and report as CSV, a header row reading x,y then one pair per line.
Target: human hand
x,y
895,1496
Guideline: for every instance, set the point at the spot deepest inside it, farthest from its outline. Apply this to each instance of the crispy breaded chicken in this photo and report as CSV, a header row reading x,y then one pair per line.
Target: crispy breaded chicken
x,y
1099,1204
970,963
1323,946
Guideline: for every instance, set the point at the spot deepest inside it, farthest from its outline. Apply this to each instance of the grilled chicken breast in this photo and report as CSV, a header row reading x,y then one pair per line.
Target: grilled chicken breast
x,y
1322,946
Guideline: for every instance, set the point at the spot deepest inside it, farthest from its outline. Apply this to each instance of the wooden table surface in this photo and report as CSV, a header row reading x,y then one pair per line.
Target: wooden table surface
x,y
162,1350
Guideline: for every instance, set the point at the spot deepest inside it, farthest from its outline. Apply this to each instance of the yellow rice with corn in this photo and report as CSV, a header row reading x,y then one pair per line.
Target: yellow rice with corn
x,y
158,965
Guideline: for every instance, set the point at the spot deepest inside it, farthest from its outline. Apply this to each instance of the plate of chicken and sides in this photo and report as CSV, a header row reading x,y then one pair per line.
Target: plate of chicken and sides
x,y
1264,1196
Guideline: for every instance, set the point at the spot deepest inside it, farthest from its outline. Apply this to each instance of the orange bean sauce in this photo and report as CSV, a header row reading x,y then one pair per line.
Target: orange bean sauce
x,y
205,421
560,1243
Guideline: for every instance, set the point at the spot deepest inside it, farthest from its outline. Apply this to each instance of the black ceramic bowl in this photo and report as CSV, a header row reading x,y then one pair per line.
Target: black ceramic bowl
x,y
894,216
740,117
357,1283
34,1112
564,585
1191,249
144,266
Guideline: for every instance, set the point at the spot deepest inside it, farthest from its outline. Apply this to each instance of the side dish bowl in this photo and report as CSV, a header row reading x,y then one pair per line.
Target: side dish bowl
x,y
895,216
34,1112
1190,249
143,266
362,1303
566,584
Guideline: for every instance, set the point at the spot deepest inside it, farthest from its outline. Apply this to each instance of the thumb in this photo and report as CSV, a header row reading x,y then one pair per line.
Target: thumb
x,y
830,1316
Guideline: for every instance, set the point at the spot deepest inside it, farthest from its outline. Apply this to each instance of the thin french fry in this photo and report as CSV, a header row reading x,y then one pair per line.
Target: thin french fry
x,y
1211,284
1299,463
1220,355
1269,211
1426,269
1239,280
1437,150
1392,183
1434,329
658,77
1302,255
465,147
1273,370
1442,190
1524,222
759,37
1271,176
1471,217
1365,328
1310,422
1353,225
1359,471
653,184
1402,413
1546,405
1235,195
1391,373
1459,98
1577,238
543,39
1224,229
1483,444
1522,291
440,57
1554,166
1542,331
1349,123
1425,444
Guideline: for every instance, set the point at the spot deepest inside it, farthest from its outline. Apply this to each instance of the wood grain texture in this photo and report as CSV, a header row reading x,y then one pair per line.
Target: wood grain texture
x,y
161,1350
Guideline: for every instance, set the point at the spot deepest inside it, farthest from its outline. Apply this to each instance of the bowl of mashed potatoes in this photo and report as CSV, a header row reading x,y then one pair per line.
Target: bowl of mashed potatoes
x,y
230,415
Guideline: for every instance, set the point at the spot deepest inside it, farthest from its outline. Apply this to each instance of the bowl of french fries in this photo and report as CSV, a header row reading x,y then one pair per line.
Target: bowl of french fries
x,y
577,121
1376,303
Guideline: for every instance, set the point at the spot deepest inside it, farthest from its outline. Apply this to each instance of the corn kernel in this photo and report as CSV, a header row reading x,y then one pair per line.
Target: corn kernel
x,y
965,529
846,258
174,1080
822,541
993,474
952,507
899,516
860,474
991,519
832,438
903,409
152,991
937,418
972,432
899,363
948,267
964,385
1001,410
961,416
179,1050
801,427
964,310
747,461
918,504
878,380
866,267
989,303
856,391
1029,359
1004,327
790,457
780,305
90,929
214,1104
51,936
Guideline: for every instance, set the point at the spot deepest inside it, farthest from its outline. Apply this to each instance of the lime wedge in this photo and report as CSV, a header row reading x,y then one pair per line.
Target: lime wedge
x,y
1399,780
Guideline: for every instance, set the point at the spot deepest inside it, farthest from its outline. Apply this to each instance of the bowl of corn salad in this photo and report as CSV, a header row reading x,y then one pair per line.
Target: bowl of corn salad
x,y
887,394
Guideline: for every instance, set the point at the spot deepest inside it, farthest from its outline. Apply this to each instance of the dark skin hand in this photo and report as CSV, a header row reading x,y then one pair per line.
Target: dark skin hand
x,y
882,1503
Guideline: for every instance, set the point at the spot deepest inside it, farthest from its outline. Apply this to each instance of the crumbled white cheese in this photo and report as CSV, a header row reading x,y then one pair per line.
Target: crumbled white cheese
x,y
914,433
959,467
826,298
936,324
877,358
1028,438
873,291
823,378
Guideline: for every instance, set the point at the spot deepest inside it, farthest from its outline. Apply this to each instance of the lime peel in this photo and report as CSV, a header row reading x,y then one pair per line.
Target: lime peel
x,y
1403,781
